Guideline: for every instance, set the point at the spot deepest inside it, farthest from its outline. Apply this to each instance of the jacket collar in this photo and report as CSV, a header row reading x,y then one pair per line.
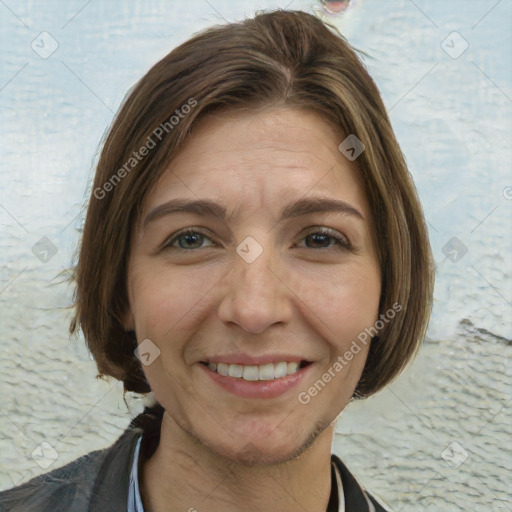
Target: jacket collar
x,y
110,490
356,498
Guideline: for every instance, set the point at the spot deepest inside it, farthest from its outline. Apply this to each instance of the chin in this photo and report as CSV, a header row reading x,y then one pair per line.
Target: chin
x,y
267,450
260,455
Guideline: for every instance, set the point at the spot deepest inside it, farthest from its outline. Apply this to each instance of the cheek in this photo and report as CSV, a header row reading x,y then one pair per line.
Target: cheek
x,y
358,303
162,303
161,299
345,299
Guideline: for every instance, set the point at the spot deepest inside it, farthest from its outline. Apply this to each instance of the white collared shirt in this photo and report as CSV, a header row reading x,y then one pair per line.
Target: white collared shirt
x,y
134,501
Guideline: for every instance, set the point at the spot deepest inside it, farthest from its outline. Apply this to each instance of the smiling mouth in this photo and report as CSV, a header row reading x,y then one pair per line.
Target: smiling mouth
x,y
269,371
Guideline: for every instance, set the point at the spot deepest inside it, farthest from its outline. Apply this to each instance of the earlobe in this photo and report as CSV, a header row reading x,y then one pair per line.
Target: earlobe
x,y
127,321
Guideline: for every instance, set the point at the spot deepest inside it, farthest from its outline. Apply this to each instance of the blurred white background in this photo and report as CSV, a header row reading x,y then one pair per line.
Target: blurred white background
x,y
439,437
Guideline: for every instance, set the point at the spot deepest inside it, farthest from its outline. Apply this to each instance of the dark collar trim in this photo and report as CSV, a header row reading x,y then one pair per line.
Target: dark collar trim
x,y
355,497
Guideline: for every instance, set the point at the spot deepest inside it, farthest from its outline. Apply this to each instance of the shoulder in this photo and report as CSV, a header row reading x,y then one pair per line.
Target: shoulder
x,y
66,486
356,497
70,487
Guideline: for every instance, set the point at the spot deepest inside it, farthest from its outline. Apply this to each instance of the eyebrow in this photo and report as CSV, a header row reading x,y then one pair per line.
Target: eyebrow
x,y
208,208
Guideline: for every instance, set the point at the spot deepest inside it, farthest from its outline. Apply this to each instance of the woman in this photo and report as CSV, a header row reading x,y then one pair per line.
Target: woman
x,y
255,255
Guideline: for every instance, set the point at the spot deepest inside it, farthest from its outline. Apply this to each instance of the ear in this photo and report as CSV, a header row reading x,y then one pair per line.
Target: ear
x,y
127,321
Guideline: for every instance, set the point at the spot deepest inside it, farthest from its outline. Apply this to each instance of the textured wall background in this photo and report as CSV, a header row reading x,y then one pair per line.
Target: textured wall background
x,y
445,72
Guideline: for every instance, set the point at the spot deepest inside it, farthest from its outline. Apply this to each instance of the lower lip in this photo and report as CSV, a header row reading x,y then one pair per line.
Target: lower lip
x,y
258,388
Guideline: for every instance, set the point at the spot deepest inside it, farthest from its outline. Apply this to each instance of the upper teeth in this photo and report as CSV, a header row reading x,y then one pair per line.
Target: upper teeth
x,y
255,372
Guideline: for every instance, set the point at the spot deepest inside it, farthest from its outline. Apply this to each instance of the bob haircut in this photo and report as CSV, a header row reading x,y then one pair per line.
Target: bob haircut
x,y
276,59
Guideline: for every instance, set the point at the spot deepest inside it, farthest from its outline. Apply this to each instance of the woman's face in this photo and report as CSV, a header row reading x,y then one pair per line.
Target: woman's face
x,y
268,277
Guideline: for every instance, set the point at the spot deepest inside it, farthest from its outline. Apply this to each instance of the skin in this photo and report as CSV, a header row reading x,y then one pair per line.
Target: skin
x,y
303,295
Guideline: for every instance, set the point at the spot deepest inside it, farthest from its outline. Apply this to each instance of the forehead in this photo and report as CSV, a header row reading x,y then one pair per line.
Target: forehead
x,y
258,159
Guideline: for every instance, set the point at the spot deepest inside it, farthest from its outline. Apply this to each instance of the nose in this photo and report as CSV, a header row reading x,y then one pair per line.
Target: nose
x,y
256,296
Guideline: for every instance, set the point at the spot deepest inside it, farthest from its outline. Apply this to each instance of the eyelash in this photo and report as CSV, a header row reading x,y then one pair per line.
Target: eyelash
x,y
342,243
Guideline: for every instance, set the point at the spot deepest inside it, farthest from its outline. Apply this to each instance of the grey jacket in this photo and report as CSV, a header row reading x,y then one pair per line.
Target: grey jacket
x,y
99,481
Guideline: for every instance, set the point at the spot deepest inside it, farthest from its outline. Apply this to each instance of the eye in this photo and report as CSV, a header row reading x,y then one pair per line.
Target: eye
x,y
321,238
191,238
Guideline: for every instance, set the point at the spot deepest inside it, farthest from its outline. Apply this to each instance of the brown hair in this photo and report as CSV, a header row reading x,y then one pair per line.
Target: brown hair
x,y
279,58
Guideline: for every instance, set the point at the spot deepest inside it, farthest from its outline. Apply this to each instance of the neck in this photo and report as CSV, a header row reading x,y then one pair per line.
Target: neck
x,y
185,475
